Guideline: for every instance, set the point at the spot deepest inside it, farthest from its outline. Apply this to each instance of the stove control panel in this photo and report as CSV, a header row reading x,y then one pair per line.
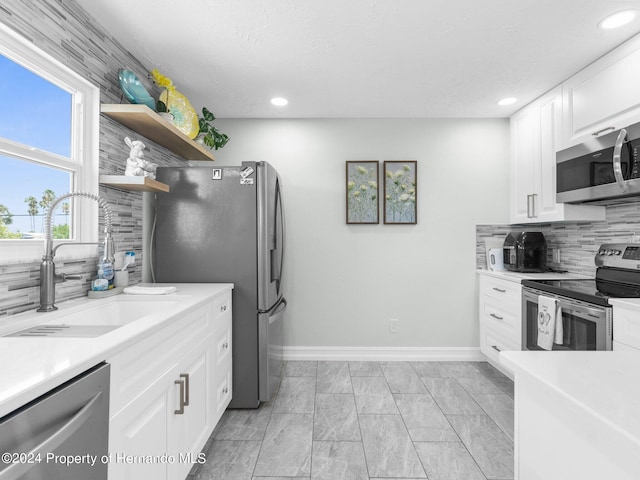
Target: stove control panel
x,y
619,255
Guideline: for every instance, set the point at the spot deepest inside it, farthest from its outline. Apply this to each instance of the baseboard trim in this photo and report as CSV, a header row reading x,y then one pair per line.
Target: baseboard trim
x,y
467,354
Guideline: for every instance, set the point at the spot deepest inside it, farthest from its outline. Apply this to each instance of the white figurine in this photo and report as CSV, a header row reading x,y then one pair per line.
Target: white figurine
x,y
136,164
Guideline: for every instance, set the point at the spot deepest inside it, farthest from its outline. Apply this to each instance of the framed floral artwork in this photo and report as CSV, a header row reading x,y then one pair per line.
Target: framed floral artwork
x,y
400,192
362,192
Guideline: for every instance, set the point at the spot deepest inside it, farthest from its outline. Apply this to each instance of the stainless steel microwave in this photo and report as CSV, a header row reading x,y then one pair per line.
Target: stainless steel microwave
x,y
606,167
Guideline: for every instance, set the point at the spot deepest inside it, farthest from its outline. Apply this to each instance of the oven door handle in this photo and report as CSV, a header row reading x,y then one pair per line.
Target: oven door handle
x,y
568,307
583,312
617,162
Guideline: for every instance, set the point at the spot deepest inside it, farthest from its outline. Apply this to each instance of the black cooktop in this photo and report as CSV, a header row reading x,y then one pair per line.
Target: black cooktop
x,y
596,291
585,290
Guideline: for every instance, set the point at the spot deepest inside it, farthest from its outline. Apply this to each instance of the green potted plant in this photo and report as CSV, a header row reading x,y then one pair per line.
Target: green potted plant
x,y
209,135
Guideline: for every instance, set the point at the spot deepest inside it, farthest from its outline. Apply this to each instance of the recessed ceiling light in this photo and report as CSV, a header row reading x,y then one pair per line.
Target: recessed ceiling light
x,y
279,101
507,101
618,19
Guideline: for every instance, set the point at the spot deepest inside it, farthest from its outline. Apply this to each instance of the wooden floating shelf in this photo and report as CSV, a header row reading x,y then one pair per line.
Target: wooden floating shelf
x,y
139,184
146,122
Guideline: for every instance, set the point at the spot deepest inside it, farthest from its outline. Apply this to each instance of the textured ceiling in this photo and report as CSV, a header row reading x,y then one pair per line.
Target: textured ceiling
x,y
363,58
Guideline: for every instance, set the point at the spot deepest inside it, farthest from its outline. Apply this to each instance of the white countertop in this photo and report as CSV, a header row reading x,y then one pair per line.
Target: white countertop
x,y
30,367
603,384
632,303
518,277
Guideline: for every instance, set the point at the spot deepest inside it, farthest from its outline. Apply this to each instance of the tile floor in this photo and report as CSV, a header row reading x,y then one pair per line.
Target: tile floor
x,y
371,420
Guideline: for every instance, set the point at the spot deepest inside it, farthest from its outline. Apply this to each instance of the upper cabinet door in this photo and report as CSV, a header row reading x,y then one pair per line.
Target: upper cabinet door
x,y
603,97
524,159
550,128
535,132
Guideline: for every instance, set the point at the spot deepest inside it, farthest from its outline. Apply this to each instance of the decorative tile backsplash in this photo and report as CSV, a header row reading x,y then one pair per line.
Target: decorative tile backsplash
x,y
577,241
65,31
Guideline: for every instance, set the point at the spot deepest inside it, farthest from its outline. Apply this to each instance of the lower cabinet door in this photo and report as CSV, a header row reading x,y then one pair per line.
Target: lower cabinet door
x,y
189,418
222,390
141,431
222,346
221,362
160,434
492,343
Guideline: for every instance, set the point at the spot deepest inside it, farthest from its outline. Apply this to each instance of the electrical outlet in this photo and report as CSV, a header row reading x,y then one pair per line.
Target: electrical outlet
x,y
393,325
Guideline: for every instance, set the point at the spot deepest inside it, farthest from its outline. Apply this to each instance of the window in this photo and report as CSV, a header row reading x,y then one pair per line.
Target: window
x,y
48,147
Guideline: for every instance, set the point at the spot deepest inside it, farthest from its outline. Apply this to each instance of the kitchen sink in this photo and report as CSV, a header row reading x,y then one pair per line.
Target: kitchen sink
x,y
62,330
95,320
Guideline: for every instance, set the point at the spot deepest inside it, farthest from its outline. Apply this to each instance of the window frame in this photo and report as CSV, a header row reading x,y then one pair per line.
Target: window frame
x,y
84,158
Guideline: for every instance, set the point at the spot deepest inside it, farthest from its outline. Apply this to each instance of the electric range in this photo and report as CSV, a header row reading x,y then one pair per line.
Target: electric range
x,y
583,304
617,276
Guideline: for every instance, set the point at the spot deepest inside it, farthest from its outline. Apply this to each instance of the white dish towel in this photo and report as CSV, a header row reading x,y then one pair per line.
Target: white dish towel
x,y
549,323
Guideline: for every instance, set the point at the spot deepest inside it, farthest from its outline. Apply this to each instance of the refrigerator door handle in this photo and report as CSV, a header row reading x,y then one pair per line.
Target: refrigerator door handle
x,y
282,306
277,253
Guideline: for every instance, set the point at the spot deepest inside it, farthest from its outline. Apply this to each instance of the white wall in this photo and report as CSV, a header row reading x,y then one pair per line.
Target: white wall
x,y
344,282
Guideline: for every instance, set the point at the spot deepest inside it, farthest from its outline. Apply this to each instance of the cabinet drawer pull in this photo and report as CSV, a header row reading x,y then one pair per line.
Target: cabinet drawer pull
x,y
499,290
180,411
186,387
496,348
606,129
496,316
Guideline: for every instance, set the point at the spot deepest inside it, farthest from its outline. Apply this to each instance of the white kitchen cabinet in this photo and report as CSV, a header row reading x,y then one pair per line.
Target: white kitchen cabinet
x,y
535,132
500,317
626,327
604,96
190,419
167,393
157,422
621,347
522,164
222,345
141,430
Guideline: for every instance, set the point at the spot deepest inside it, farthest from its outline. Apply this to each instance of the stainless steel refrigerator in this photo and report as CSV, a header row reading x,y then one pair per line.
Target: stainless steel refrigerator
x,y
226,224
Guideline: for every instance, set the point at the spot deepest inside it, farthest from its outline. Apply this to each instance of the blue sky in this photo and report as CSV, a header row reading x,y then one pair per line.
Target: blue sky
x,y
37,113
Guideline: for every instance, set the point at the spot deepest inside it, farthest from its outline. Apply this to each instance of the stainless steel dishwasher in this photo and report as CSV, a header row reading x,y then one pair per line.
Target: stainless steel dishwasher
x,y
60,435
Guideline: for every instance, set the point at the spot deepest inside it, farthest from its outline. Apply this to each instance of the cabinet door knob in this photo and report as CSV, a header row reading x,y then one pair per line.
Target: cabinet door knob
x,y
225,390
180,410
225,345
186,387
223,308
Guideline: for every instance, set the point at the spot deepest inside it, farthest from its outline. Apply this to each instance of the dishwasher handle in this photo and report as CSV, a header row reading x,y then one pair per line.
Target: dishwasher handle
x,y
16,470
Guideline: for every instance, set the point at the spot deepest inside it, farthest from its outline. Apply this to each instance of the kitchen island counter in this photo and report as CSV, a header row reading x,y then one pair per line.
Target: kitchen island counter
x,y
577,414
